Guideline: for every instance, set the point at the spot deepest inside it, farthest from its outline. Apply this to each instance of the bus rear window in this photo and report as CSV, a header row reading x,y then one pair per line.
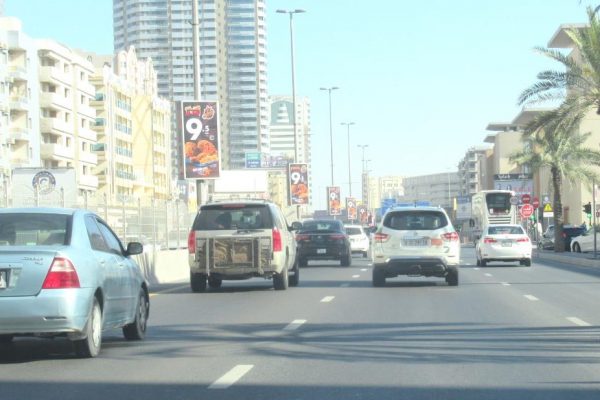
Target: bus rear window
x,y
498,203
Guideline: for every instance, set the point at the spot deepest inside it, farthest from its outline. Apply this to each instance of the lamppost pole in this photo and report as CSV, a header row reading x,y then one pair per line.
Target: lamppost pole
x,y
348,124
291,14
330,89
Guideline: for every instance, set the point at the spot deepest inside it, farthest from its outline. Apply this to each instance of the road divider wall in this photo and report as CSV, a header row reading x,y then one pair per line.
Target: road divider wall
x,y
164,266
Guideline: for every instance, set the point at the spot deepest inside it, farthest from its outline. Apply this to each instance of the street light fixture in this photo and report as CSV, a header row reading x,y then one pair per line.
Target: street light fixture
x,y
348,124
330,89
291,14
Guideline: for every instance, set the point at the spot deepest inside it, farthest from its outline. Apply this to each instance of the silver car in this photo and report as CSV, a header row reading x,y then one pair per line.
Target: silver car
x,y
64,272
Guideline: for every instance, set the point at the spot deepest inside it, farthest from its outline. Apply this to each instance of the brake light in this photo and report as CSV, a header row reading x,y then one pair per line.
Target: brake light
x,y
450,236
523,240
61,275
381,237
489,240
302,237
338,237
192,242
276,240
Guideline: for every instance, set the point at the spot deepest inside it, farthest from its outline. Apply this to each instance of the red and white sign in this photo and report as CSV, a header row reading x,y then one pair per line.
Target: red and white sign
x,y
536,202
526,211
525,198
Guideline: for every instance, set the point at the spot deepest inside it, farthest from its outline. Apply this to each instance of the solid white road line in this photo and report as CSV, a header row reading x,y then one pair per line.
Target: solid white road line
x,y
356,276
231,377
345,285
505,284
578,321
530,297
174,289
295,324
327,299
488,274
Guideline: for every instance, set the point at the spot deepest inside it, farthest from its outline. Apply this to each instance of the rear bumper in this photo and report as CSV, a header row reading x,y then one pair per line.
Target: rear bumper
x,y
414,266
514,254
323,252
50,312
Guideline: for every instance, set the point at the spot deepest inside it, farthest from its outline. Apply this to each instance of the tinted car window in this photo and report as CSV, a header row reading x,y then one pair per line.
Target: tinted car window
x,y
353,231
112,241
415,220
96,239
34,229
504,230
322,226
228,216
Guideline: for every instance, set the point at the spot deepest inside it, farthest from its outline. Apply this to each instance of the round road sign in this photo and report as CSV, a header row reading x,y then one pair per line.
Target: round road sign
x,y
536,202
514,200
526,210
525,198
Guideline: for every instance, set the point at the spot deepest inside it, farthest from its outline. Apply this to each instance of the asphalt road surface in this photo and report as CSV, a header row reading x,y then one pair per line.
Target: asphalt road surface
x,y
506,332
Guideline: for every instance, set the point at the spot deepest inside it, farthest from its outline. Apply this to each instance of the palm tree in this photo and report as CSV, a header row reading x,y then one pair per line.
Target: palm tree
x,y
555,144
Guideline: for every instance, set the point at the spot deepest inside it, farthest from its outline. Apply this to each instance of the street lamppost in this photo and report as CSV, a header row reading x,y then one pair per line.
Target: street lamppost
x,y
365,186
330,89
291,14
348,124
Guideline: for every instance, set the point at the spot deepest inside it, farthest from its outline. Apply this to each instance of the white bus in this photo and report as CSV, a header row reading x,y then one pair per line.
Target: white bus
x,y
492,207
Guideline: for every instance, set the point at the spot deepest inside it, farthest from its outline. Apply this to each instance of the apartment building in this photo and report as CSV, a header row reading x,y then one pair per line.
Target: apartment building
x,y
133,127
439,189
384,187
19,98
232,36
475,170
281,128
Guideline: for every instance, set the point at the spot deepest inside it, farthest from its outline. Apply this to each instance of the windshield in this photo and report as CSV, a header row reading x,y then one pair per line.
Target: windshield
x,y
33,229
226,217
498,203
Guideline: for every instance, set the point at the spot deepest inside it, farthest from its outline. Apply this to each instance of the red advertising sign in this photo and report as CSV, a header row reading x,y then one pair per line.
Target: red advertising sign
x,y
363,214
298,183
200,125
351,208
526,210
333,200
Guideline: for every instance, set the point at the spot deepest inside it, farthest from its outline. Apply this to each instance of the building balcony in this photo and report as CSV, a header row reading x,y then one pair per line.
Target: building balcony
x,y
17,72
54,74
49,99
86,87
55,126
19,102
86,110
57,152
87,157
88,181
86,133
18,133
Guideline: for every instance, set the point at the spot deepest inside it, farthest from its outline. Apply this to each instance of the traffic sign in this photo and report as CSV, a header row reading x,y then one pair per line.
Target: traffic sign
x,y
514,200
547,208
526,210
525,198
536,202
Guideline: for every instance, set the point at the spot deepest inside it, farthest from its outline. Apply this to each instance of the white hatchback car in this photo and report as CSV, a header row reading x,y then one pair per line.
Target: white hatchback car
x,y
503,243
359,241
416,241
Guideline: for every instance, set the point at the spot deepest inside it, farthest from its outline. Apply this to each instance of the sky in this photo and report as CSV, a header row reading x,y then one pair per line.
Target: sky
x,y
421,80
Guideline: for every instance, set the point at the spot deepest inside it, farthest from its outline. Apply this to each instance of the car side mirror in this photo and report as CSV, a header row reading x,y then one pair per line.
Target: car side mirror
x,y
296,226
134,248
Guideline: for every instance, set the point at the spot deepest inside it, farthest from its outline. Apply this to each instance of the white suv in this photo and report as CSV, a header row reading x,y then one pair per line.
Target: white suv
x,y
359,241
416,241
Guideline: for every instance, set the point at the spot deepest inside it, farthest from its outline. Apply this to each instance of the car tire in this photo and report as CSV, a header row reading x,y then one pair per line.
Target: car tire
x,y
137,329
576,248
303,262
294,280
89,347
6,339
214,283
526,262
478,262
378,277
346,261
483,262
197,282
452,276
365,254
281,280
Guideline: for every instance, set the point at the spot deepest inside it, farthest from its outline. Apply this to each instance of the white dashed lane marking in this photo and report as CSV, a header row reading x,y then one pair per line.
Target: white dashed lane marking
x,y
356,276
295,324
363,269
531,297
476,269
578,321
327,299
505,284
231,377
488,274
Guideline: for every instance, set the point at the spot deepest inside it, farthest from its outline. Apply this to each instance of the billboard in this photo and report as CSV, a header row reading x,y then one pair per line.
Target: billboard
x,y
200,136
519,183
333,200
53,187
363,214
298,183
351,208
463,207
258,160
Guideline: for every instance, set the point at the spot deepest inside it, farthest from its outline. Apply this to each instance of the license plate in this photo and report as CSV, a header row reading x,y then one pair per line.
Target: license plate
x,y
321,251
415,242
3,279
507,243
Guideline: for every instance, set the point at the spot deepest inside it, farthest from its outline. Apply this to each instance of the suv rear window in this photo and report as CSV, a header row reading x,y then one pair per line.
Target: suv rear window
x,y
415,220
34,229
322,226
233,216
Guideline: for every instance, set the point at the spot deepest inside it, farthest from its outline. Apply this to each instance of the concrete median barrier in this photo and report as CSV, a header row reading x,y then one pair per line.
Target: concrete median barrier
x,y
164,266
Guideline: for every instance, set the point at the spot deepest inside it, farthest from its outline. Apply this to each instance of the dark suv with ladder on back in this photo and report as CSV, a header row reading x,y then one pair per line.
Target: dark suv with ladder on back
x,y
242,239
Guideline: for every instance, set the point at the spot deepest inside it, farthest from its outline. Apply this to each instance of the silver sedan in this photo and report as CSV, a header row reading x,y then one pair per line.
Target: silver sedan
x,y
64,272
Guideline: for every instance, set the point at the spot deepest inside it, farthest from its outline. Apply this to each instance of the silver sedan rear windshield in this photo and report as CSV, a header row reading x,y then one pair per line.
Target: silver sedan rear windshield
x,y
415,220
34,229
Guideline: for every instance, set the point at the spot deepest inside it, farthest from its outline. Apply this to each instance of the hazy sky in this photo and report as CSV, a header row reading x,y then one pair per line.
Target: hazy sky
x,y
421,79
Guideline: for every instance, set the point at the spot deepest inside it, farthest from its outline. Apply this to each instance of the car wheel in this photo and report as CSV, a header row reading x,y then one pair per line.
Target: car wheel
x,y
346,261
137,329
378,277
365,254
576,247
527,262
478,262
281,280
295,279
483,262
197,282
214,283
6,339
452,276
303,262
90,346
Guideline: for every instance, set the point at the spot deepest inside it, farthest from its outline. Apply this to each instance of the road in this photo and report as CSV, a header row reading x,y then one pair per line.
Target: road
x,y
507,332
